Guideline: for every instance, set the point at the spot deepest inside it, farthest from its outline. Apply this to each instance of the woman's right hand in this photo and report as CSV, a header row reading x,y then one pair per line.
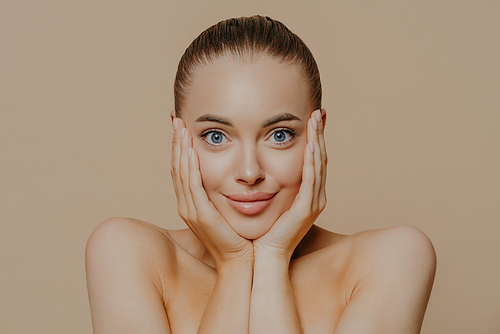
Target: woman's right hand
x,y
194,207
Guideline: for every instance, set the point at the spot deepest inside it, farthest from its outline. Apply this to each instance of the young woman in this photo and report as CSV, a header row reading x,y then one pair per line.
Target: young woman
x,y
249,169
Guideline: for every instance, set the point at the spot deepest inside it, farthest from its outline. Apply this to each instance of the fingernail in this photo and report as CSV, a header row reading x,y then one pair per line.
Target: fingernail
x,y
183,132
317,114
314,123
311,146
189,152
176,124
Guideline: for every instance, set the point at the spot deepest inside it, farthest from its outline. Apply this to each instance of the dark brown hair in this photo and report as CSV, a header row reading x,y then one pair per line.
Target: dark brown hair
x,y
246,38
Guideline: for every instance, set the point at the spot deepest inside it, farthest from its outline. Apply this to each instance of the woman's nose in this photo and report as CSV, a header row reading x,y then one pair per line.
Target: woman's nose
x,y
249,169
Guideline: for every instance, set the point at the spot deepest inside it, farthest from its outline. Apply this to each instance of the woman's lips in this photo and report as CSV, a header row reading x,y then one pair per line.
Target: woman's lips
x,y
250,203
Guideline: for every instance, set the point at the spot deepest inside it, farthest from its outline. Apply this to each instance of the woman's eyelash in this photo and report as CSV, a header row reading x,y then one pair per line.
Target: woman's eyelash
x,y
205,134
286,141
290,132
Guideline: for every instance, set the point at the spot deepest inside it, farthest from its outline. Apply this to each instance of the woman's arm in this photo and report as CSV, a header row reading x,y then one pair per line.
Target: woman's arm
x,y
228,308
273,308
392,295
123,284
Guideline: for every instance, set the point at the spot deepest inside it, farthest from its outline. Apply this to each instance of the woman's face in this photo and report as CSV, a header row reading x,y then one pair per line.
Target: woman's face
x,y
248,121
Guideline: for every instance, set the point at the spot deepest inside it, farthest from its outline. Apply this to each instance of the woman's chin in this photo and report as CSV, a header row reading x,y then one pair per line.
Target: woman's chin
x,y
251,236
251,230
252,226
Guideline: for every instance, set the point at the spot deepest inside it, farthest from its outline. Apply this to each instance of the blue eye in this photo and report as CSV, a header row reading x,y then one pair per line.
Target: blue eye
x,y
282,136
214,138
279,136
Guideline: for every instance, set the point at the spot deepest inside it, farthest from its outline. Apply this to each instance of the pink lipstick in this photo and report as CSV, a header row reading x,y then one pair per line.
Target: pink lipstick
x,y
250,203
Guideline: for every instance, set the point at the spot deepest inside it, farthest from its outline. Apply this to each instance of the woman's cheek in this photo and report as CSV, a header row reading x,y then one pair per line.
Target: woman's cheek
x,y
213,169
285,166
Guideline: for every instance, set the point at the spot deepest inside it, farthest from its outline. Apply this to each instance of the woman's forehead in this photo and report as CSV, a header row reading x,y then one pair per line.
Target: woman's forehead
x,y
262,88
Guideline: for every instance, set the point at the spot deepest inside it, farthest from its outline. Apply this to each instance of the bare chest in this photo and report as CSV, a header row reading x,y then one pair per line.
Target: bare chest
x,y
319,288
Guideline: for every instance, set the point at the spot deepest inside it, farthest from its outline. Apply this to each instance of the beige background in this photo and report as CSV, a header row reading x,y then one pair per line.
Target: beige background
x,y
412,94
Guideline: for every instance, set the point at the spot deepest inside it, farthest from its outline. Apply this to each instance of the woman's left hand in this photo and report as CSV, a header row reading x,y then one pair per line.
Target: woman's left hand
x,y
282,239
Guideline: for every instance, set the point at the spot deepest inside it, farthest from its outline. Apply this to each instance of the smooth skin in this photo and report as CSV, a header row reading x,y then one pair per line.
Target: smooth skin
x,y
274,272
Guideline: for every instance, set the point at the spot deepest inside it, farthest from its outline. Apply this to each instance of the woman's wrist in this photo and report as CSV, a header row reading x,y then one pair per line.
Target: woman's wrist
x,y
273,308
275,261
235,264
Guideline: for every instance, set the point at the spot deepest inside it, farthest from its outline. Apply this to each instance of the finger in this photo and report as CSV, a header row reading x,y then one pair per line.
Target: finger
x,y
306,190
318,167
198,194
324,161
321,118
186,144
175,168
210,222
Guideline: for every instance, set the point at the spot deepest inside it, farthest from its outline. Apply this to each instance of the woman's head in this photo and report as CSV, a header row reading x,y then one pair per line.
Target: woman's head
x,y
244,92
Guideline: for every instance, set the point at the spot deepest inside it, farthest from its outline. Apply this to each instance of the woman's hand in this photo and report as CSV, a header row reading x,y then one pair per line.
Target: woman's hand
x,y
194,207
282,239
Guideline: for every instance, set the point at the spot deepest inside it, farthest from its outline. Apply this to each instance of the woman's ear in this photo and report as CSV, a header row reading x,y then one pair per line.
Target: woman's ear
x,y
323,117
172,115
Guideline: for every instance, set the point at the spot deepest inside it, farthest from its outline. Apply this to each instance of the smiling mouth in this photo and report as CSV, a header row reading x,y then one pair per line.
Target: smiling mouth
x,y
250,204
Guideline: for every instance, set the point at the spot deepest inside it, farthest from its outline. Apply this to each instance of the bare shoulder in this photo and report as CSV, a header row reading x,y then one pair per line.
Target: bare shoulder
x,y
133,231
393,245
126,289
371,251
128,238
404,251
394,271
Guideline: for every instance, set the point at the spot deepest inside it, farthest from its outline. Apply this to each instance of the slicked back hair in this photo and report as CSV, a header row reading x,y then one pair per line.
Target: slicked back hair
x,y
246,38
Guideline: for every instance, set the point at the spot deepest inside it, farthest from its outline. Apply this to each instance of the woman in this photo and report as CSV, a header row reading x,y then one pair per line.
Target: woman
x,y
249,170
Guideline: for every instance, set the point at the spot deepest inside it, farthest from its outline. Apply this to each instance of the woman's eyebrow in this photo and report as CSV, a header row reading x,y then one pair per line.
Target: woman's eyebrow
x,y
280,118
213,118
